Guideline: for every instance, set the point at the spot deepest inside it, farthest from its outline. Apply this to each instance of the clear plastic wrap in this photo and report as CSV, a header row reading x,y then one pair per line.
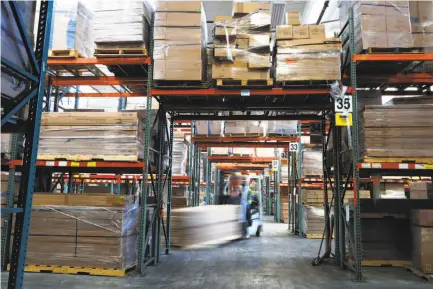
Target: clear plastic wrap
x,y
282,127
180,157
66,232
421,16
313,219
83,136
242,46
400,128
312,163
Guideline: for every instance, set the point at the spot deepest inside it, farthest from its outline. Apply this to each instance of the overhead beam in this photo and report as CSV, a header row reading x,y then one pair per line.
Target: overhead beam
x,y
225,92
108,94
246,117
97,80
393,57
103,61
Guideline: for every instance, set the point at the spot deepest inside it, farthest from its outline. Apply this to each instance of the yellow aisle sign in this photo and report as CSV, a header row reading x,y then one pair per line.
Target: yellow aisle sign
x,y
343,119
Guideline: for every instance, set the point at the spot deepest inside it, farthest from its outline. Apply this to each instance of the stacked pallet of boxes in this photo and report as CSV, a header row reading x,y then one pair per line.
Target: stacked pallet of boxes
x,y
80,230
422,239
242,46
304,53
421,190
72,30
121,27
179,33
284,204
80,136
205,225
314,213
399,132
389,24
312,163
179,167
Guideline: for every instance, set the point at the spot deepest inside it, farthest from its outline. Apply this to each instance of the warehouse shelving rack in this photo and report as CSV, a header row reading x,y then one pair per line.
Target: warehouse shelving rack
x,y
402,71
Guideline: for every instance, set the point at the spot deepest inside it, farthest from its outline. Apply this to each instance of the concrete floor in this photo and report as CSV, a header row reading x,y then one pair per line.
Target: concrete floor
x,y
275,260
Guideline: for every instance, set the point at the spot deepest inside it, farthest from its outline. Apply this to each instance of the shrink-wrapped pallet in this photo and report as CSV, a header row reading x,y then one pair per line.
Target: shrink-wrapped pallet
x,y
312,163
205,225
97,231
180,157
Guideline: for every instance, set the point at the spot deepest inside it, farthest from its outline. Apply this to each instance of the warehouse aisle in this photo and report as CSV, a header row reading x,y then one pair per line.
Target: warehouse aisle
x,y
274,260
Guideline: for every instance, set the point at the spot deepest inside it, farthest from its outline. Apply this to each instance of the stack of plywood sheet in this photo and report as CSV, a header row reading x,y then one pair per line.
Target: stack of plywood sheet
x,y
403,132
316,197
83,230
205,225
284,208
92,135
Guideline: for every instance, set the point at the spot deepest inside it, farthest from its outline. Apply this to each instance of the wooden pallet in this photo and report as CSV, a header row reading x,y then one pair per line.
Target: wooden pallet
x,y
397,160
67,157
386,263
63,53
422,275
77,270
304,83
180,84
244,83
394,50
120,52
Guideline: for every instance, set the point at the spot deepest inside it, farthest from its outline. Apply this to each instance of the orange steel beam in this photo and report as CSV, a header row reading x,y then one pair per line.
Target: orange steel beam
x,y
241,159
393,57
225,92
244,145
108,94
231,166
242,139
97,80
103,61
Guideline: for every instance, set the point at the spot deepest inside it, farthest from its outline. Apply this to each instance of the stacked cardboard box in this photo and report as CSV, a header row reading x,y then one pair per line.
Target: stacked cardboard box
x,y
304,52
242,43
178,34
284,205
98,231
422,240
421,18
121,24
316,197
312,163
397,131
205,225
92,135
421,190
72,28
389,24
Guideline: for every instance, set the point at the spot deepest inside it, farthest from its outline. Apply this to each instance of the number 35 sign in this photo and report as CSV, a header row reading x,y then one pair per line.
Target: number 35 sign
x,y
344,104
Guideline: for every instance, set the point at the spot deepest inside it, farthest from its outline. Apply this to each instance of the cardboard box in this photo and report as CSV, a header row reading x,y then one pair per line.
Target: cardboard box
x,y
301,32
293,18
375,40
179,19
414,17
421,186
178,33
398,23
222,18
223,32
398,10
369,8
178,69
373,23
221,71
242,43
190,6
260,18
316,31
418,195
422,238
225,52
397,39
259,40
258,61
284,32
240,8
165,49
425,12
309,45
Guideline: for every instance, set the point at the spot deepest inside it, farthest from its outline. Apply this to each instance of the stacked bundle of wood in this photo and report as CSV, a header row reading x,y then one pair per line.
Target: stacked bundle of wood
x,y
98,231
80,136
205,225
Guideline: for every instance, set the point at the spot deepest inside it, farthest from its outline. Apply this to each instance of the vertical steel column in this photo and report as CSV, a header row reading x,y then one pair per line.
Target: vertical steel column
x,y
49,91
355,154
215,188
7,219
77,98
56,99
25,197
326,179
70,182
169,189
208,177
198,176
162,123
191,168
298,183
144,192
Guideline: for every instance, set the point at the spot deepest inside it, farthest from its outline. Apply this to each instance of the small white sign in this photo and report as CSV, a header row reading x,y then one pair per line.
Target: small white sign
x,y
285,155
245,92
293,147
344,104
275,165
